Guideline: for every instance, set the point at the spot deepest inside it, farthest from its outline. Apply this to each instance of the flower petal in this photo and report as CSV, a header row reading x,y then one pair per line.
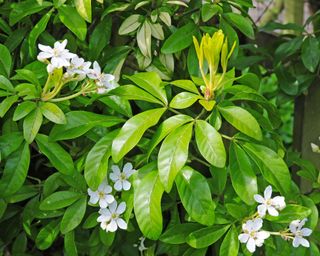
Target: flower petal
x,y
121,223
113,206
109,198
112,226
103,203
272,211
296,242
243,238
259,199
304,242
118,185
262,235
114,177
94,198
126,185
121,208
306,231
262,210
251,245
257,224
294,226
268,192
45,48
116,169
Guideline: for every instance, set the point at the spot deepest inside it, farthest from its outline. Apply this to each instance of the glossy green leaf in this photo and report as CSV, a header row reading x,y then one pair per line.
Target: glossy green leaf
x,y
144,39
186,85
53,113
230,243
5,83
20,244
73,216
6,104
23,110
150,82
210,144
130,24
70,246
57,155
47,235
165,128
271,165
5,61
59,200
147,205
15,171
73,21
180,39
80,122
177,234
195,252
84,9
96,165
132,131
310,53
243,177
32,124
241,23
195,196
184,100
9,143
242,120
173,154
289,213
91,221
208,10
206,236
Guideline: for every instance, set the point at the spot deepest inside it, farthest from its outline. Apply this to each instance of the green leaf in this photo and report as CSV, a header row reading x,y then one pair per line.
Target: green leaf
x,y
130,24
195,196
178,233
114,7
132,92
186,85
15,171
195,252
5,83
230,243
173,154
289,213
242,120
144,39
23,110
91,221
47,235
310,53
80,122
243,177
32,124
59,200
53,113
73,216
150,82
210,144
208,10
9,143
73,21
118,104
36,31
132,131
271,165
84,9
206,236
5,61
180,39
147,205
184,100
241,23
165,128
70,246
20,244
6,104
58,157
96,165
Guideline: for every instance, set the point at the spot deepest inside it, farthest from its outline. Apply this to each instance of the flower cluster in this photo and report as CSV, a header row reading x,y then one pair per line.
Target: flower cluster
x,y
61,59
110,211
253,235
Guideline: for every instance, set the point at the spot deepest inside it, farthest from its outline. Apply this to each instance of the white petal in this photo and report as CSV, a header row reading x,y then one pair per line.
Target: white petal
x,y
45,48
304,242
114,177
116,169
262,235
105,211
126,185
306,231
103,225
102,186
296,241
279,202
249,226
259,199
121,208
272,211
50,68
243,238
257,224
113,206
301,224
262,210
109,78
251,245
109,198
103,203
44,55
96,67
294,226
112,226
118,185
121,223
268,192
103,218
107,189
127,167
94,198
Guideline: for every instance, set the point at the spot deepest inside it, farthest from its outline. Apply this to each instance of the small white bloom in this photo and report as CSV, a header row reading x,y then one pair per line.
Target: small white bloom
x,y
79,67
296,228
58,54
251,234
102,195
315,148
110,217
268,204
119,178
141,246
105,82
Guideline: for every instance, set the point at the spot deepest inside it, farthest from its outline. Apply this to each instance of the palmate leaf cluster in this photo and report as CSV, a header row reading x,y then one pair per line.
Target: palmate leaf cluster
x,y
199,161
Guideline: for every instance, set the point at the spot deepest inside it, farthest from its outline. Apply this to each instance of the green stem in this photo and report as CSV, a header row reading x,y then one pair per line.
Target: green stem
x,y
227,137
174,111
68,97
199,160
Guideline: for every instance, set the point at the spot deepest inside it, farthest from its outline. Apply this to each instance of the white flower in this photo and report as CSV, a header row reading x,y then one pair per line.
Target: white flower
x,y
299,232
251,234
315,148
102,195
110,217
119,178
105,82
269,204
79,67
